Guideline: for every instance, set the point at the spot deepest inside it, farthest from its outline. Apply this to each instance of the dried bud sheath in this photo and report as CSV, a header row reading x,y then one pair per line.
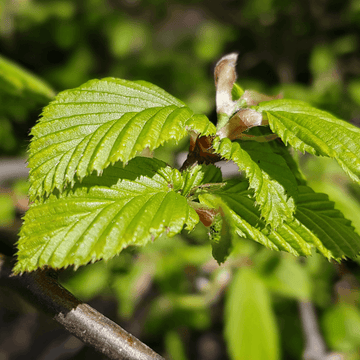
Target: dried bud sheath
x,y
225,77
243,120
253,98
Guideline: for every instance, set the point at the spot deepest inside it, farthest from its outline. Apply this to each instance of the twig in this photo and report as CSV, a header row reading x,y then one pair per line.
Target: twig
x,y
12,168
315,348
81,320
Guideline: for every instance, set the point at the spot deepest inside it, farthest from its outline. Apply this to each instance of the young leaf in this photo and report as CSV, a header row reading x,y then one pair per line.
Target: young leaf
x,y
200,124
327,224
102,215
242,215
251,331
269,176
220,238
16,81
317,132
279,148
316,223
272,164
236,92
98,124
200,175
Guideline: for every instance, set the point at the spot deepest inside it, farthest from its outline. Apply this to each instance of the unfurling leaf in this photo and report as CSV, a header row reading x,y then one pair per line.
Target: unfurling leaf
x,y
253,98
220,235
243,120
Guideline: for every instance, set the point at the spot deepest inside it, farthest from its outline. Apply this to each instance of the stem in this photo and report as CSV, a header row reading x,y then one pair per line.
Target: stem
x,y
190,161
42,290
315,348
13,169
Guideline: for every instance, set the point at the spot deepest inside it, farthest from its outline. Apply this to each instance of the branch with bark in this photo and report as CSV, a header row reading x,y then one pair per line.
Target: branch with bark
x,y
42,290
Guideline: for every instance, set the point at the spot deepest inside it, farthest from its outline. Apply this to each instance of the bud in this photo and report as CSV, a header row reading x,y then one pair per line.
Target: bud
x,y
244,119
225,77
252,98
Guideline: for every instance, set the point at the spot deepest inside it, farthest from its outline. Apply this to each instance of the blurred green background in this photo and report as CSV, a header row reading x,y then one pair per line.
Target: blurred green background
x,y
171,294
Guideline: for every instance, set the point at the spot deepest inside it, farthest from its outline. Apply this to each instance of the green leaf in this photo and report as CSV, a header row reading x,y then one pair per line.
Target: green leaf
x,y
174,346
318,215
244,217
251,331
236,92
341,327
317,132
102,215
198,175
97,124
316,223
220,238
279,148
272,164
16,81
201,125
269,176
289,279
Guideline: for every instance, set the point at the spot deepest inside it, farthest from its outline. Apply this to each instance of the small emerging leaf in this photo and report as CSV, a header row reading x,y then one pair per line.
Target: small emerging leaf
x,y
220,237
200,175
236,92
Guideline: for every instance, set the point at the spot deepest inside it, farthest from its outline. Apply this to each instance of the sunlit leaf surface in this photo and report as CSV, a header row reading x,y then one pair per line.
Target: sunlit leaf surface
x,y
99,123
317,132
269,176
102,215
316,223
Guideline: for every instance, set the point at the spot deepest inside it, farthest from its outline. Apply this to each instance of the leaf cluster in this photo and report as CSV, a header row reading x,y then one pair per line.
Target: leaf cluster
x,y
93,196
